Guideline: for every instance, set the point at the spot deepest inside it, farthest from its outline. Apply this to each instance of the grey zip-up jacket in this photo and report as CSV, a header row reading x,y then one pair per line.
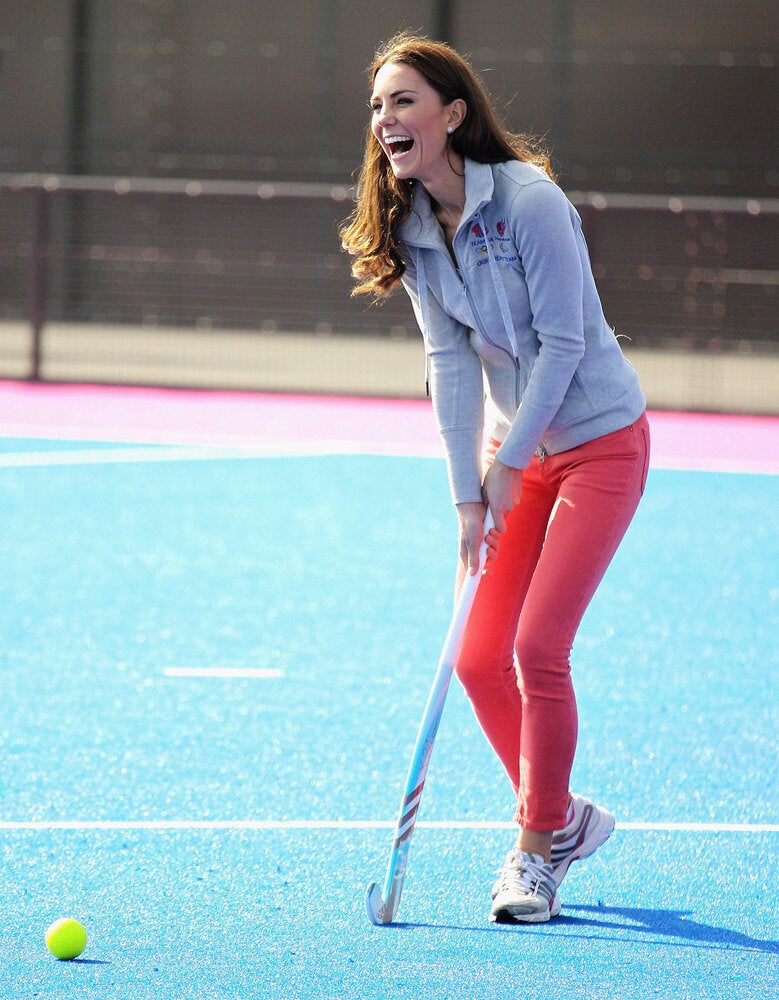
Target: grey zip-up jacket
x,y
518,319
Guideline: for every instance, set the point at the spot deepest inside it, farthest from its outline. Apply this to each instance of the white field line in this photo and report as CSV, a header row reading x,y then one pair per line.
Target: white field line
x,y
261,673
734,466
195,453
309,449
302,824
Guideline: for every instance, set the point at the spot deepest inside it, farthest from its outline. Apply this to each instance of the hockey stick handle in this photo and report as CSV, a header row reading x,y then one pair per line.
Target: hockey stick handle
x,y
465,600
431,716
382,908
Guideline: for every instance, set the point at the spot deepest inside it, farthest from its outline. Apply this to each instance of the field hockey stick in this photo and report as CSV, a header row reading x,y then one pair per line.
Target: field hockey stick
x,y
382,906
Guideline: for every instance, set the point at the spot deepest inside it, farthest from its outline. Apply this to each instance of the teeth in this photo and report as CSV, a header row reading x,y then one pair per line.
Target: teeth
x,y
397,138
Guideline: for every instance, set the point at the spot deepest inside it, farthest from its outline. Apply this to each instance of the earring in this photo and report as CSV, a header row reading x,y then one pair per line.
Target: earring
x,y
449,130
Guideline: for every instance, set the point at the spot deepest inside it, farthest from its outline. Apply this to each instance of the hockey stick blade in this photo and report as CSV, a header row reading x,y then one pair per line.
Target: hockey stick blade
x,y
374,904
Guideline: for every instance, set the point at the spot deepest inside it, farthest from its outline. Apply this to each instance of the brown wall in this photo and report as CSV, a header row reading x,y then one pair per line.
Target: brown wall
x,y
643,96
659,97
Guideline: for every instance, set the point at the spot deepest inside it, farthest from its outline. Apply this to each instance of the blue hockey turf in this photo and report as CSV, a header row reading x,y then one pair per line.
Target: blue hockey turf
x,y
213,668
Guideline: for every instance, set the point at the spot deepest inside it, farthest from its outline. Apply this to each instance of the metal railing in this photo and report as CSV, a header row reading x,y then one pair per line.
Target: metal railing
x,y
692,271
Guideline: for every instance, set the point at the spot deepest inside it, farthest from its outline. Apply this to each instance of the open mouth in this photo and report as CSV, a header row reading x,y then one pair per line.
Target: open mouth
x,y
398,145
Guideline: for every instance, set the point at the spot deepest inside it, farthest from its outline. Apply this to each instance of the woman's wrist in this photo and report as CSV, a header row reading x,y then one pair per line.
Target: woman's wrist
x,y
471,509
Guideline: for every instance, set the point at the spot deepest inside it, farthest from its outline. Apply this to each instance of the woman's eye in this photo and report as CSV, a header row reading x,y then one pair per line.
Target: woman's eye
x,y
376,107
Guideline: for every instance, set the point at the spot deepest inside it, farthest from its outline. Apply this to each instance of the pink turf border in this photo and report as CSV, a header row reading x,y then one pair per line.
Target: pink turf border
x,y
716,442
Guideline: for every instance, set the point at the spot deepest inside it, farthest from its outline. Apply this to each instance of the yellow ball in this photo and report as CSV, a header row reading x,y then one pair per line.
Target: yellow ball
x,y
66,938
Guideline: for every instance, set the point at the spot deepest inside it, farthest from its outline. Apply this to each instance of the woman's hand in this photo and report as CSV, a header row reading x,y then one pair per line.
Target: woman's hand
x,y
471,517
502,489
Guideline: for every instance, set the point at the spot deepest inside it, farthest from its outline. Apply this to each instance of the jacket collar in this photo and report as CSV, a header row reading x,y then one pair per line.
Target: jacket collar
x,y
421,228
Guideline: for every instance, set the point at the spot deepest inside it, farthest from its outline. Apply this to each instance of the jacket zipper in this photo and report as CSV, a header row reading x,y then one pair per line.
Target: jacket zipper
x,y
454,262
472,305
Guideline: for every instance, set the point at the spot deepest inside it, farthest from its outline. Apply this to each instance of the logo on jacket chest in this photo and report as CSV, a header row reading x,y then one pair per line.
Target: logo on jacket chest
x,y
503,249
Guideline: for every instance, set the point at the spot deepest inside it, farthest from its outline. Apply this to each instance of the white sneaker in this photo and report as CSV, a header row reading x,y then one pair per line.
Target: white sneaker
x,y
590,827
526,890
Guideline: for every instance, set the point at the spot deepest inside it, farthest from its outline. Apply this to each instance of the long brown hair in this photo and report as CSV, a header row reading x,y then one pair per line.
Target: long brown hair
x,y
384,202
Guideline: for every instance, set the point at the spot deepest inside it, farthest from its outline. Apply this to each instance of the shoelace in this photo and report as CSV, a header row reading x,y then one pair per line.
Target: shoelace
x,y
520,874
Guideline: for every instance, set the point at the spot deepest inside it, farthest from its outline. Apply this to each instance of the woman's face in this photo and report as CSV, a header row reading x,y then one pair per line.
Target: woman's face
x,y
410,122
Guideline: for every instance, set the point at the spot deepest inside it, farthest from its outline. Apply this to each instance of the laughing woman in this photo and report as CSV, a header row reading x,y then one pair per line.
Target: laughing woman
x,y
467,216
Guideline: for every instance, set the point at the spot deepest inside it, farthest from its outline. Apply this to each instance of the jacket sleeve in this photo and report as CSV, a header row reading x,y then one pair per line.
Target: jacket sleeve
x,y
456,388
549,240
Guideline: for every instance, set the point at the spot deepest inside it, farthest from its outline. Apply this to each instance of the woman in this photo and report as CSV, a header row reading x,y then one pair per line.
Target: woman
x,y
467,216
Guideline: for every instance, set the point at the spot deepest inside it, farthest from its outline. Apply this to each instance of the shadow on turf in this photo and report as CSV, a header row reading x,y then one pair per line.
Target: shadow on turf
x,y
662,923
667,923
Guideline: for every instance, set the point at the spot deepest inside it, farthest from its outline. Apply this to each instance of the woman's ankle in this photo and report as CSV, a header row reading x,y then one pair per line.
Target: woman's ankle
x,y
536,842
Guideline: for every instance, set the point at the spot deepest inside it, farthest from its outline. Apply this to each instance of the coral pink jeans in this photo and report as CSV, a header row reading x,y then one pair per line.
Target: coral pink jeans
x,y
515,660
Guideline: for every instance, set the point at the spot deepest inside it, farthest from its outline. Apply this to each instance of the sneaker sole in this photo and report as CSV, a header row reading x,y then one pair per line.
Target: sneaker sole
x,y
596,838
516,915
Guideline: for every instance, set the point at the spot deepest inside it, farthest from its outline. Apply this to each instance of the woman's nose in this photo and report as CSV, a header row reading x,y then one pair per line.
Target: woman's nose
x,y
384,117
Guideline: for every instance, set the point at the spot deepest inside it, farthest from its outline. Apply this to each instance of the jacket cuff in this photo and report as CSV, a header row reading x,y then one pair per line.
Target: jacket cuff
x,y
463,465
516,454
